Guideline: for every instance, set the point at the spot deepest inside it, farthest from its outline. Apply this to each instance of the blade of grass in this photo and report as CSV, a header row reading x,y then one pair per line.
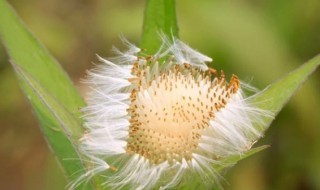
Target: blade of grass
x,y
27,52
275,96
159,17
55,121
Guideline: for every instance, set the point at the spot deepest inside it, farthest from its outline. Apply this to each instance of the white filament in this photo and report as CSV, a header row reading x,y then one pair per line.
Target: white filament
x,y
230,132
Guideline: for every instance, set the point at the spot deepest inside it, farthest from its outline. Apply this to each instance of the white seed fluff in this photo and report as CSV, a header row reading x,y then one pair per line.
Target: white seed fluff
x,y
157,122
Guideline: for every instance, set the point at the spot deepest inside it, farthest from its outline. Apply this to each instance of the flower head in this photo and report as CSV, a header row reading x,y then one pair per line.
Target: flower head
x,y
158,121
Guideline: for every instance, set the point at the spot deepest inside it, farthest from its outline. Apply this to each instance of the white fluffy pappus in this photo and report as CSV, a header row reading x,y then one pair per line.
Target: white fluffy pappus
x,y
157,122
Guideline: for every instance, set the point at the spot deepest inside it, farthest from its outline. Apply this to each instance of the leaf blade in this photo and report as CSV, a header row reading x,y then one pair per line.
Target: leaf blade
x,y
55,101
274,97
231,160
27,52
55,120
159,17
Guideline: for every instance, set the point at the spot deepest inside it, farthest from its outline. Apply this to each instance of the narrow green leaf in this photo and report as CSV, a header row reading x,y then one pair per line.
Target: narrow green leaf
x,y
51,93
275,96
159,17
55,121
222,164
29,54
232,160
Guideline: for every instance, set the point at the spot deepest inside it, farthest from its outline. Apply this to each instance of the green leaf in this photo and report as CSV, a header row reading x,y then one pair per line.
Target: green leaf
x,y
275,96
223,164
51,93
232,160
29,54
159,17
55,121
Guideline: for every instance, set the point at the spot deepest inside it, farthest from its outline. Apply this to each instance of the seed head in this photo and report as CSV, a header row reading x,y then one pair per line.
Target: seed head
x,y
157,121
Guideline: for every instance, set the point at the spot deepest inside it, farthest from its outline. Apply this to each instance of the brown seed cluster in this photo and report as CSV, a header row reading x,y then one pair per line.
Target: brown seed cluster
x,y
170,111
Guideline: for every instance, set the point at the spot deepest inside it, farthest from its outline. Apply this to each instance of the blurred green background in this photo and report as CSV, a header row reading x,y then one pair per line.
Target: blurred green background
x,y
259,40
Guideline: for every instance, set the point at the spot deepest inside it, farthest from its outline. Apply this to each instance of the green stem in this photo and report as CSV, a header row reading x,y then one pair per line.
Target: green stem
x,y
159,18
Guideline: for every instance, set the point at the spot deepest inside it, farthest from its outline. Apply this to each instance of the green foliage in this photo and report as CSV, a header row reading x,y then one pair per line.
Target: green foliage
x,y
159,18
55,121
52,95
228,162
27,52
56,101
275,96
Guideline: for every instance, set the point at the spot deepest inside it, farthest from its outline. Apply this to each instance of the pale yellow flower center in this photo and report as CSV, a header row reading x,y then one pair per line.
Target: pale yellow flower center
x,y
170,112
